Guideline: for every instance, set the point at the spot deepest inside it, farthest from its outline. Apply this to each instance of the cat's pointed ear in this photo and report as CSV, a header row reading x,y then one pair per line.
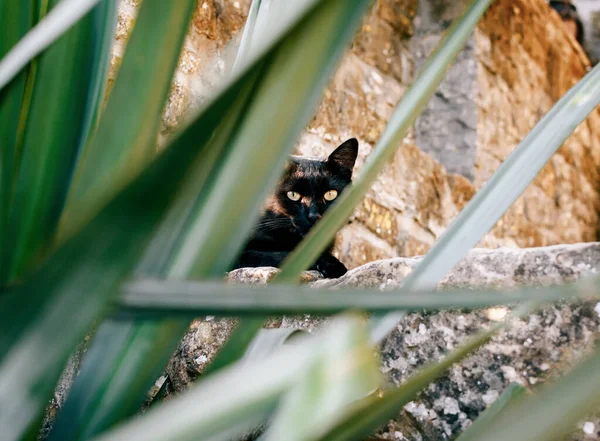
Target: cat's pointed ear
x,y
345,155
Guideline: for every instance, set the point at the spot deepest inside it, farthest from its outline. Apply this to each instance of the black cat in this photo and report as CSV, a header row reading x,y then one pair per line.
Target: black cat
x,y
306,190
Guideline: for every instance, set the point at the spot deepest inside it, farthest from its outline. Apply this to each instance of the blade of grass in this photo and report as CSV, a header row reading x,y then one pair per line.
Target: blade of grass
x,y
52,130
125,141
512,393
33,315
104,22
62,17
207,412
411,104
413,101
16,19
269,12
150,298
98,398
225,206
345,372
504,187
551,413
268,341
376,410
243,53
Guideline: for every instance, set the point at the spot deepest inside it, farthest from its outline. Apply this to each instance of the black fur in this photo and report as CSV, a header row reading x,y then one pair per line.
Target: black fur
x,y
285,222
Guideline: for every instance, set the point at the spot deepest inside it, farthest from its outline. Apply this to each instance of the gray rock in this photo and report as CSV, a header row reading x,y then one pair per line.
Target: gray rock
x,y
535,349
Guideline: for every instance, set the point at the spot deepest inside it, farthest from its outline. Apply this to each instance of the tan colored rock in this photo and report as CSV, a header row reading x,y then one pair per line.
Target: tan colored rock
x,y
525,63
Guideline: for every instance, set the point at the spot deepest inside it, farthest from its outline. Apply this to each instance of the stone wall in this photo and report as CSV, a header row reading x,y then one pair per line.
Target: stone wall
x,y
515,66
527,62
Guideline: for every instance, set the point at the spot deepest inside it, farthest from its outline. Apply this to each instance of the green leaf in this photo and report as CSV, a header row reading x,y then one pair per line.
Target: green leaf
x,y
33,315
49,143
62,17
207,412
150,298
16,19
375,410
509,396
506,184
104,22
405,114
345,372
254,144
263,15
553,410
125,141
268,341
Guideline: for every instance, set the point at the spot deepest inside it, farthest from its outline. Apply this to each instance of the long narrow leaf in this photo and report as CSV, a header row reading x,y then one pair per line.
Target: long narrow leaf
x,y
33,315
95,401
215,226
374,411
344,373
207,411
411,104
125,141
104,22
503,188
413,101
503,402
16,19
50,137
155,298
56,23
551,413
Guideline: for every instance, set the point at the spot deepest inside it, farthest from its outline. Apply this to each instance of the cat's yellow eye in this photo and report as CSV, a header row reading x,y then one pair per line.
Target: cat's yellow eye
x,y
330,195
293,195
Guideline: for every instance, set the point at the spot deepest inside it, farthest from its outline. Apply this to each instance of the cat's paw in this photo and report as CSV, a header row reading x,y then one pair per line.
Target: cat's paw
x,y
330,267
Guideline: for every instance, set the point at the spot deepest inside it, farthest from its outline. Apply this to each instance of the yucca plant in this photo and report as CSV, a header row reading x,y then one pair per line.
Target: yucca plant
x,y
98,231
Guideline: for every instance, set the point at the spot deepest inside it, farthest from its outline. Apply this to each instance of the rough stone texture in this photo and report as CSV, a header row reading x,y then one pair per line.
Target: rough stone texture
x,y
533,350
447,128
528,61
518,63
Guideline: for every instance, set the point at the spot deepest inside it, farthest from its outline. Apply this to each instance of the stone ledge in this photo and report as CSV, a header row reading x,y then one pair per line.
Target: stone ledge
x,y
534,350
499,268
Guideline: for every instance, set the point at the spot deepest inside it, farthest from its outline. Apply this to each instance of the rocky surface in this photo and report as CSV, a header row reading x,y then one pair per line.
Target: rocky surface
x,y
517,64
532,351
527,61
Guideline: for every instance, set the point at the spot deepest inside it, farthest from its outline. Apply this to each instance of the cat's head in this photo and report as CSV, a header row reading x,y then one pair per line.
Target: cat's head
x,y
310,186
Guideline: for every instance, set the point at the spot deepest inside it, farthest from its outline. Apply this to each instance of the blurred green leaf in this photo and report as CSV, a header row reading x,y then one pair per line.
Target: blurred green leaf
x,y
62,16
207,412
268,341
204,238
126,139
33,315
98,397
263,15
553,410
16,19
512,393
158,298
345,372
506,184
375,410
104,20
412,103
48,143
